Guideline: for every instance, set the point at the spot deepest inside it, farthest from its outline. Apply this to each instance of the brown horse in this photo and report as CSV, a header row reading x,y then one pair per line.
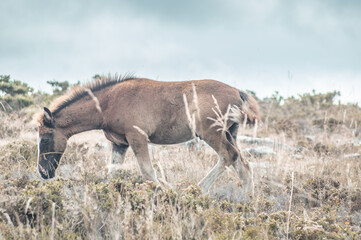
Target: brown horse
x,y
135,111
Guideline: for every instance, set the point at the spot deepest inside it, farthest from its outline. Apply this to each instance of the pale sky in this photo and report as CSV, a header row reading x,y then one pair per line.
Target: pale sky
x,y
261,45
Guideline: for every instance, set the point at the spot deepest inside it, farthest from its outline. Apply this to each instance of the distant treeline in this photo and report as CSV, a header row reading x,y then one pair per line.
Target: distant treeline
x,y
15,95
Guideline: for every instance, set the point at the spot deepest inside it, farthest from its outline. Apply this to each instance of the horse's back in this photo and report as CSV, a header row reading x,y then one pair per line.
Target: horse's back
x,y
159,108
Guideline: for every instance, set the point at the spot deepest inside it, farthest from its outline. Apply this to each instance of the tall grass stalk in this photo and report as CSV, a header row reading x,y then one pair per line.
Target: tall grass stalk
x,y
290,204
53,221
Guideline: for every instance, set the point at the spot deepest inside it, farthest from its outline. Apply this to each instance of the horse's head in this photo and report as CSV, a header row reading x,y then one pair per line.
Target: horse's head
x,y
51,145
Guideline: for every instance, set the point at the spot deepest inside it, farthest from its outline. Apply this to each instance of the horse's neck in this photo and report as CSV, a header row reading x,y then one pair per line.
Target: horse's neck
x,y
80,117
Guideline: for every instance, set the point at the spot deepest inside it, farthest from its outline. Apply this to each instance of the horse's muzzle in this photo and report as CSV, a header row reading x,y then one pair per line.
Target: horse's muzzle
x,y
47,165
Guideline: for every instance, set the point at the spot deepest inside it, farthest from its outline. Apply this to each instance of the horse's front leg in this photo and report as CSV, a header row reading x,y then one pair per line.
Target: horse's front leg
x,y
139,144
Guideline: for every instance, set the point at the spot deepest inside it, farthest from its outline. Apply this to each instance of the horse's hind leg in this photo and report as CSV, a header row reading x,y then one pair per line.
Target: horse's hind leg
x,y
227,152
245,174
233,130
139,145
118,153
242,167
215,172
225,145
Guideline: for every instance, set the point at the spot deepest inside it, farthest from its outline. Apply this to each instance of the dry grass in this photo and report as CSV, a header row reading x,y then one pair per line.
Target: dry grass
x,y
87,202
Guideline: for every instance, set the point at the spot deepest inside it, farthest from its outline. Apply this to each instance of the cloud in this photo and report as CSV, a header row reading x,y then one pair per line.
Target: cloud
x,y
230,40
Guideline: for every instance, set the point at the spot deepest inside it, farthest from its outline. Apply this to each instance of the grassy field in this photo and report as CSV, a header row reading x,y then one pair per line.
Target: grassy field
x,y
307,174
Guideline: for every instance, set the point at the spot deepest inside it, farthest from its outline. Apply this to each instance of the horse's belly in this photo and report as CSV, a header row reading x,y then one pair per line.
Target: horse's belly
x,y
171,135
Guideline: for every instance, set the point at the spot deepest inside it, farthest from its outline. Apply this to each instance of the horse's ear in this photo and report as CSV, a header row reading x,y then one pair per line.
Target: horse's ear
x,y
48,116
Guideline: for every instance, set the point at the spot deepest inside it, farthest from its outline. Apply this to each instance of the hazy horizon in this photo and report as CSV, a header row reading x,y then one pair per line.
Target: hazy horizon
x,y
263,46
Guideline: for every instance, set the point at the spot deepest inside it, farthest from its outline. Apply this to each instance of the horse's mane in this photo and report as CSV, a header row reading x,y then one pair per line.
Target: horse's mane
x,y
78,92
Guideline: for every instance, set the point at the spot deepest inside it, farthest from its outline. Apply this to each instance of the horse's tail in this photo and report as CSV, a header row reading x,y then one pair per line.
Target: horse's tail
x,y
248,110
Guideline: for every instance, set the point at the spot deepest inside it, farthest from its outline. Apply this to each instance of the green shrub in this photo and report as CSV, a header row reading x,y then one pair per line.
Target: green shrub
x,y
14,94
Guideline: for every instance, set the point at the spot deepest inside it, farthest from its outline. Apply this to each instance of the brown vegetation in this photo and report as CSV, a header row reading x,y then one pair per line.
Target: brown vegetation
x,y
313,138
